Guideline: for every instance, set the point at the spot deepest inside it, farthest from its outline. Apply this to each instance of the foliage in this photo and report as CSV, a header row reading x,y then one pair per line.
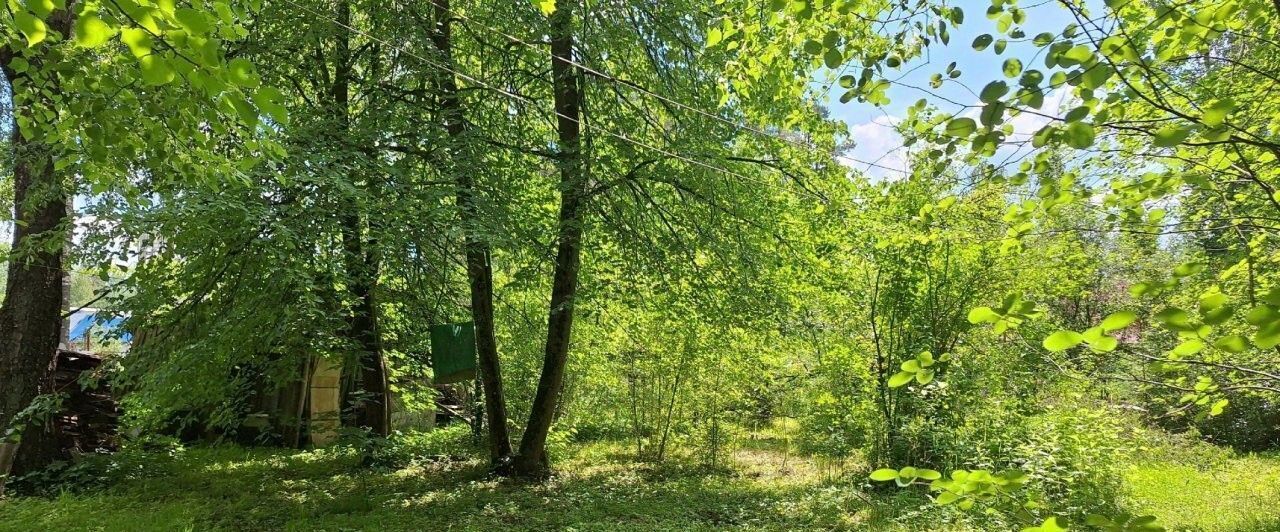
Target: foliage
x,y
267,184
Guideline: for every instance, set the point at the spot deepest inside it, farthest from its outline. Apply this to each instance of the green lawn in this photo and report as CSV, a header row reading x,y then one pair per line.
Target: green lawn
x,y
230,488
1241,493
599,488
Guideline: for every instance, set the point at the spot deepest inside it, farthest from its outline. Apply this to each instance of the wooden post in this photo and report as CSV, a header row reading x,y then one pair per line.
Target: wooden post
x,y
7,452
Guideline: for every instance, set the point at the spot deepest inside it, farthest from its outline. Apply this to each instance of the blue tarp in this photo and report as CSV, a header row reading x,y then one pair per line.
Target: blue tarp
x,y
103,324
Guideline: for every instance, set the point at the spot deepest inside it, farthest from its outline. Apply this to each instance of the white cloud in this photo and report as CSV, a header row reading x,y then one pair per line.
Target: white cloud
x,y
880,154
878,149
1026,124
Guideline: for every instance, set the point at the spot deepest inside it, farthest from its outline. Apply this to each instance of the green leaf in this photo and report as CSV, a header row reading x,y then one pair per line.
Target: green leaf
x,y
1080,135
982,315
900,379
42,8
1171,135
925,358
156,70
31,27
1174,318
961,127
946,498
715,35
1103,343
1078,53
924,376
1187,269
1261,314
1188,348
1118,320
993,91
992,114
882,475
1218,407
832,58
1268,336
1232,344
91,31
1217,113
268,99
1212,301
911,366
1012,67
138,41
1218,315
1077,114
982,42
546,6
928,474
1049,525
193,20
242,73
1062,340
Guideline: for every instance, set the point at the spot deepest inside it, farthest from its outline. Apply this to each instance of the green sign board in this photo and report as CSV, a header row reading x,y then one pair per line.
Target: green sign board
x,y
453,352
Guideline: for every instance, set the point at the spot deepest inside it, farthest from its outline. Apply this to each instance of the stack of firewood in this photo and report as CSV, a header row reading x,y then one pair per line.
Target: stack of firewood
x,y
90,416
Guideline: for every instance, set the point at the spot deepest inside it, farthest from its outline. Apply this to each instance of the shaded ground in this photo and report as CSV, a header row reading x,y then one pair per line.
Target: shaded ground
x,y
599,488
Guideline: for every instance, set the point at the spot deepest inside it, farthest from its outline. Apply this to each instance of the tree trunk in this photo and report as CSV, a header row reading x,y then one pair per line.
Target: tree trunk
x,y
532,459
479,269
30,317
361,264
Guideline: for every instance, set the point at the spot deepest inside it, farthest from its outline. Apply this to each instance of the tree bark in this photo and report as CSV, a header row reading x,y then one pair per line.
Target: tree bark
x,y
479,269
532,459
30,317
360,262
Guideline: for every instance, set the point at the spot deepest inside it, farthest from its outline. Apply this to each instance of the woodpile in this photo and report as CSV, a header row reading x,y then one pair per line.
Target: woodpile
x,y
89,419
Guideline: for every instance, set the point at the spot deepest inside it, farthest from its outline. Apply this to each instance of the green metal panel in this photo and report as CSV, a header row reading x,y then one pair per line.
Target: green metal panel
x,y
453,352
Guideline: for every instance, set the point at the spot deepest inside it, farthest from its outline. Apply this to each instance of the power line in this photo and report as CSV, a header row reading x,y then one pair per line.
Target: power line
x,y
634,86
524,99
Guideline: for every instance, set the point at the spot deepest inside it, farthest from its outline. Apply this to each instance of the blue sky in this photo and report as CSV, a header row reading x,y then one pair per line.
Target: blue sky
x,y
870,126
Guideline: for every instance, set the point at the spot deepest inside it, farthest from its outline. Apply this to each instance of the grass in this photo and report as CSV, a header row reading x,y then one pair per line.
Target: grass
x,y
1236,493
599,487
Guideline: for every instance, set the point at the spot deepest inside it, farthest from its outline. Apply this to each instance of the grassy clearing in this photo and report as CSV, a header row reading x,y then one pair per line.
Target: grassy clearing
x,y
1233,493
599,488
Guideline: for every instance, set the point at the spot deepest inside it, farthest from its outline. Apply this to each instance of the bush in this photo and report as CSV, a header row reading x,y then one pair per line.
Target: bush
x,y
142,457
1251,423
401,449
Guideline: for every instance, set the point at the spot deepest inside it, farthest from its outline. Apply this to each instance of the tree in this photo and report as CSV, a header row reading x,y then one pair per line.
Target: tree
x,y
74,87
30,318
461,163
360,255
532,459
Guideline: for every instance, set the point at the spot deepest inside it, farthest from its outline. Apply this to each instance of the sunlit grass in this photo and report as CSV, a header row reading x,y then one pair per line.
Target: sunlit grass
x,y
770,486
1236,494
